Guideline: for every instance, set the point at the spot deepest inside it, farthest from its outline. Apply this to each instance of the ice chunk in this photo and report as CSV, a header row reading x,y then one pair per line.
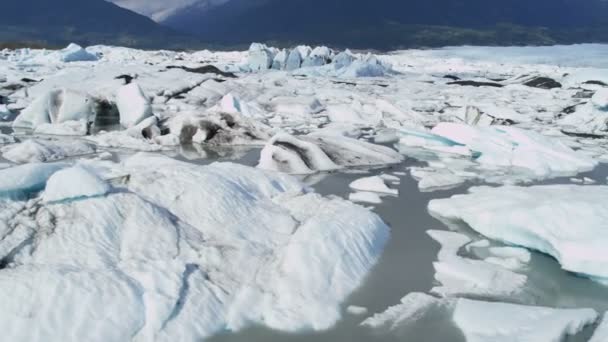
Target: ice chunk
x,y
312,153
501,322
318,57
26,179
5,113
294,60
369,66
133,105
343,59
481,321
75,53
74,183
373,184
564,221
432,180
356,310
280,60
260,57
365,197
43,151
232,105
57,106
413,307
460,276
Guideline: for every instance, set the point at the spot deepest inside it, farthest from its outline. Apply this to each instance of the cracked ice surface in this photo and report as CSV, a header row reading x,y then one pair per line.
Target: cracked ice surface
x,y
179,253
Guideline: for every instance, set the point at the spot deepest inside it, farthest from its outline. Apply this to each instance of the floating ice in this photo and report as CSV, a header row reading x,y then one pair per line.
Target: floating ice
x,y
432,180
461,276
365,197
486,321
373,184
564,221
74,183
502,322
356,310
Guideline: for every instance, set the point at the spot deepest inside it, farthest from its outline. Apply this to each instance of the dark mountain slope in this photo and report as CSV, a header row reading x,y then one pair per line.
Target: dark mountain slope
x,y
396,23
57,22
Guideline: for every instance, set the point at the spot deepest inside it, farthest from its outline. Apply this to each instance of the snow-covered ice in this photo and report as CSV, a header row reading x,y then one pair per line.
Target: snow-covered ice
x,y
180,252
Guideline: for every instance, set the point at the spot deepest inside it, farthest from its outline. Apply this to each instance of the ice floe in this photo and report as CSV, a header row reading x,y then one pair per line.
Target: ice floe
x,y
564,221
373,184
481,321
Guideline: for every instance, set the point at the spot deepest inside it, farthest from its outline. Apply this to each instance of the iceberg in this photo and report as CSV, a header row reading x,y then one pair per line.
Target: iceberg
x,y
314,153
75,53
294,60
74,183
260,57
57,106
133,105
280,60
564,221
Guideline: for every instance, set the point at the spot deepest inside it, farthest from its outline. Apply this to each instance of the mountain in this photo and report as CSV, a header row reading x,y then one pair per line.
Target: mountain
x,y
58,22
387,24
159,10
